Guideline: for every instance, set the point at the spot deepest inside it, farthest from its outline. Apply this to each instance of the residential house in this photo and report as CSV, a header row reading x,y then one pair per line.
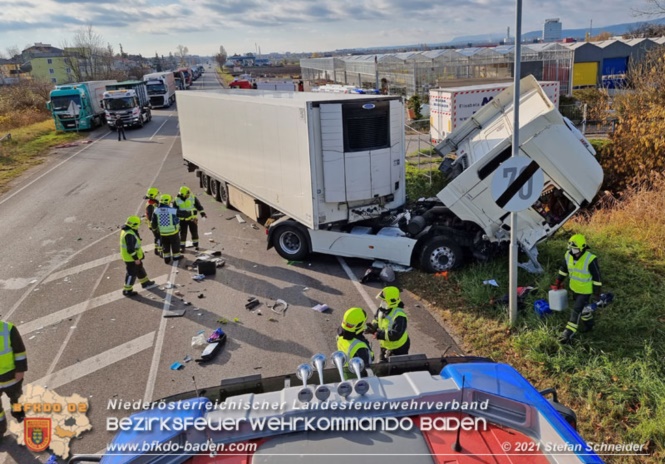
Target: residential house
x,y
46,62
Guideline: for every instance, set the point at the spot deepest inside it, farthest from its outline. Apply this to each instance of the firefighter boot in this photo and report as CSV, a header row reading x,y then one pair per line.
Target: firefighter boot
x,y
566,337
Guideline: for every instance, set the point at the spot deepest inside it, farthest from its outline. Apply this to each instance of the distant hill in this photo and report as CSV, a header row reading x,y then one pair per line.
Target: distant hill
x,y
497,37
614,29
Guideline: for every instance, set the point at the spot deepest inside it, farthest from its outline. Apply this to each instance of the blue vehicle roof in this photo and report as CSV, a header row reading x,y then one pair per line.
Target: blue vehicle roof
x,y
503,380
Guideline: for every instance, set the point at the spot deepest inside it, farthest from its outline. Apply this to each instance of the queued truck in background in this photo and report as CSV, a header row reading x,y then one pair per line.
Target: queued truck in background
x,y
327,174
187,76
129,99
179,80
449,107
77,106
161,88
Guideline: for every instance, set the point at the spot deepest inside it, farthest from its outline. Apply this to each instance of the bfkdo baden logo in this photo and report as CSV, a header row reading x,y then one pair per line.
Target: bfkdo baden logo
x,y
51,420
37,433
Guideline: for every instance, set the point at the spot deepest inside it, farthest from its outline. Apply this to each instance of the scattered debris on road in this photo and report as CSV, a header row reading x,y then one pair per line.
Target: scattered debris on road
x,y
176,366
321,308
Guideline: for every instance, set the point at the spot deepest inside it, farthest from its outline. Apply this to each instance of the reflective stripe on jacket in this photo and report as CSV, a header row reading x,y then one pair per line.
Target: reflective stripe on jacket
x,y
386,322
6,353
579,274
351,347
167,220
188,207
125,252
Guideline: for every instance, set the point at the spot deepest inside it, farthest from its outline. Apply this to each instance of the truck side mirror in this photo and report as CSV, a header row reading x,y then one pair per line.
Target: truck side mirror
x,y
101,103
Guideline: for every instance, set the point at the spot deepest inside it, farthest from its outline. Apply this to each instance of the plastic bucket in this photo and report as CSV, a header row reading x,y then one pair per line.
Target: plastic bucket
x,y
542,308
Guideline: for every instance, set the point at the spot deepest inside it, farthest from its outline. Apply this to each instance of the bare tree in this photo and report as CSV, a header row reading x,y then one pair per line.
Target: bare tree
x,y
645,30
652,8
221,56
181,53
85,55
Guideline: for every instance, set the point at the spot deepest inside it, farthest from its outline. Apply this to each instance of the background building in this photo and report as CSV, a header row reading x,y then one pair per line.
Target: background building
x,y
573,65
552,30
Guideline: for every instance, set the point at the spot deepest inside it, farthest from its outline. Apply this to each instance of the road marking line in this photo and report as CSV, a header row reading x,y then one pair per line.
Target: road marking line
x,y
158,129
50,170
80,308
95,363
159,343
89,265
18,303
354,280
64,344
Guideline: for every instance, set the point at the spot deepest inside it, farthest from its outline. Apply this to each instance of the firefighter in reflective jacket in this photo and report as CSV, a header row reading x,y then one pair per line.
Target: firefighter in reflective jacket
x,y
389,326
581,266
350,338
150,206
132,255
13,365
188,206
165,219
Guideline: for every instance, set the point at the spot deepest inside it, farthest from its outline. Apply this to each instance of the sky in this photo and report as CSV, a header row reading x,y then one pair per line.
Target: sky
x,y
240,26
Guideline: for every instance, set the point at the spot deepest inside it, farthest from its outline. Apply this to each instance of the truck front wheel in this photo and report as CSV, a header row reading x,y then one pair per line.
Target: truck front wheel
x,y
291,243
441,254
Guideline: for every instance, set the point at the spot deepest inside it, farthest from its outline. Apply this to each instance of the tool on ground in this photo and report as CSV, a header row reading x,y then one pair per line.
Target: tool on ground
x,y
604,300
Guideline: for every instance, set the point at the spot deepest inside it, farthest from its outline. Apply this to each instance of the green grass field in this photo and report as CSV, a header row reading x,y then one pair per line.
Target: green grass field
x,y
28,147
614,376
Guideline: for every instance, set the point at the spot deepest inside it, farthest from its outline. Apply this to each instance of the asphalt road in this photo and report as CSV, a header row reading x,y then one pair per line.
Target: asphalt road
x,y
61,277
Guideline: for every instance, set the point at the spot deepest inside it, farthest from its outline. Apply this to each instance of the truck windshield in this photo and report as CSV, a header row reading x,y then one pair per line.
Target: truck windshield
x,y
62,103
156,89
119,103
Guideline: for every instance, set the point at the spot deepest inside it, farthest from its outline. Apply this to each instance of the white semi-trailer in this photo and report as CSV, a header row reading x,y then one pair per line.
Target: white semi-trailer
x,y
330,170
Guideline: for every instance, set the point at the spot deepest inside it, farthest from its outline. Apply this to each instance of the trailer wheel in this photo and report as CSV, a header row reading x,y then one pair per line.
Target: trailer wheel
x,y
290,243
441,254
224,194
205,182
214,189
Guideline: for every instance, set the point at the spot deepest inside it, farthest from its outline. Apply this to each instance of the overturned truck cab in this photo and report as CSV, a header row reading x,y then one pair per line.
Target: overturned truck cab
x,y
465,220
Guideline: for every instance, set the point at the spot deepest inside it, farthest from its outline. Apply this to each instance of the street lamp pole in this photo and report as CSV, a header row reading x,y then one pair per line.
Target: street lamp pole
x,y
512,291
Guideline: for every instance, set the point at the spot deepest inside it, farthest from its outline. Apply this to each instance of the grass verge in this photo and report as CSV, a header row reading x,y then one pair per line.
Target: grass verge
x,y
614,376
27,148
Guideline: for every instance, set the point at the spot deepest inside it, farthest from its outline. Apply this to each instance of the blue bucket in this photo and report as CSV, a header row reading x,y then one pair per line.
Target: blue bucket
x,y
542,307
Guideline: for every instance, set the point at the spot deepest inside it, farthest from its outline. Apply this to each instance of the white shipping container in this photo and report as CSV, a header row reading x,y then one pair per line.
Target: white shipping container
x,y
288,86
450,107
